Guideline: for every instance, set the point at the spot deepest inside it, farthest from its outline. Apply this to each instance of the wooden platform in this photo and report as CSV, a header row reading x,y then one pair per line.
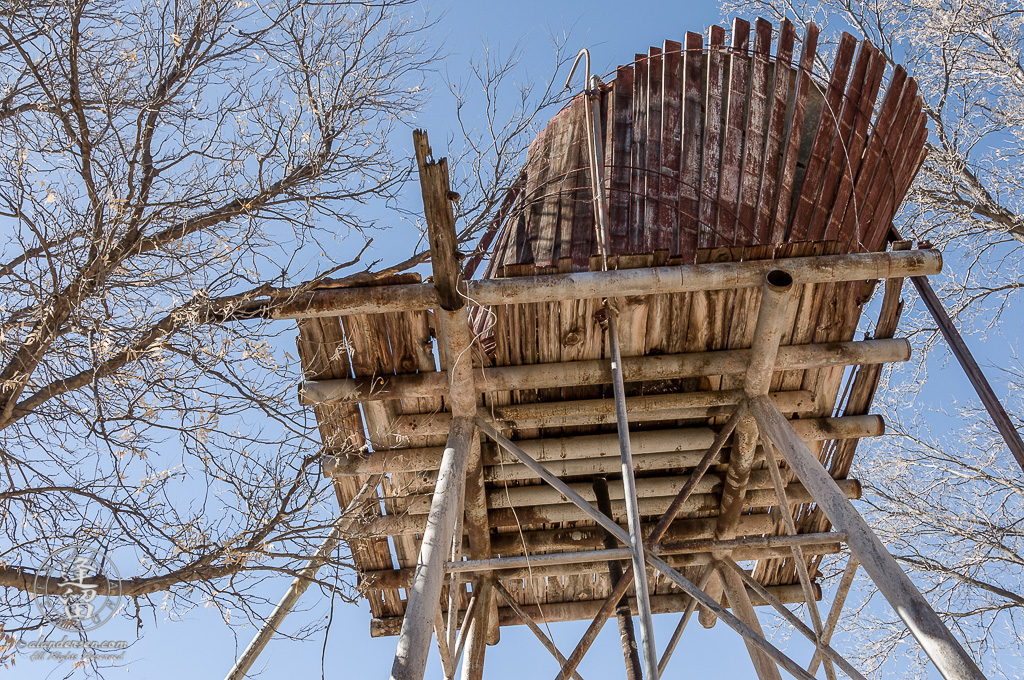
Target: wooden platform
x,y
400,440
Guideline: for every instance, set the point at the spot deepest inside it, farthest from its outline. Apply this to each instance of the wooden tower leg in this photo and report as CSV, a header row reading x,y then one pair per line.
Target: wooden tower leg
x,y
938,643
473,664
425,591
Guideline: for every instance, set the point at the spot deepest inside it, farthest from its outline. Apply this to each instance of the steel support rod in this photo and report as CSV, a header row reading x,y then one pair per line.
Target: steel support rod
x,y
925,625
301,582
627,635
677,634
532,625
425,591
974,373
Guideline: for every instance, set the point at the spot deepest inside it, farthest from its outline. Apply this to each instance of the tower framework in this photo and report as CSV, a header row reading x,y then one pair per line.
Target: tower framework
x,y
655,382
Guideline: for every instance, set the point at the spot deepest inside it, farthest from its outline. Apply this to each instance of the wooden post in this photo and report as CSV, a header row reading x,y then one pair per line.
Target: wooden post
x,y
744,611
301,582
937,642
425,591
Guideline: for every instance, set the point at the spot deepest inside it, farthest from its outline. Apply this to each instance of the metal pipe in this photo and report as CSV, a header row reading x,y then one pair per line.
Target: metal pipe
x,y
842,590
608,554
301,582
974,373
425,592
627,635
597,372
621,283
935,639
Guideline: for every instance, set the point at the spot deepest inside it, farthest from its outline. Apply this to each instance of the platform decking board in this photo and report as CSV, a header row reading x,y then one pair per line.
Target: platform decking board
x,y
638,156
619,198
781,76
838,158
693,135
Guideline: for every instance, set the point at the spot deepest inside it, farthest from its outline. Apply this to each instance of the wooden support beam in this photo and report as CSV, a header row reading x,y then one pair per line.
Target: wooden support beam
x,y
405,525
735,591
586,610
437,209
938,643
621,283
582,563
771,317
685,447
425,592
597,371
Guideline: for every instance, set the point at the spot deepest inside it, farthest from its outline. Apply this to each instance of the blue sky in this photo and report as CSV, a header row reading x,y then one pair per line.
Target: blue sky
x,y
198,644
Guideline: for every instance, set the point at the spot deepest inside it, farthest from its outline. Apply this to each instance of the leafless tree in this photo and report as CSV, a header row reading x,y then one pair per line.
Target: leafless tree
x,y
169,170
949,504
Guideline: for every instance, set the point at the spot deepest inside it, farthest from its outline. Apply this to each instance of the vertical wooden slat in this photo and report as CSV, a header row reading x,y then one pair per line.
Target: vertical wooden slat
x,y
773,140
622,134
826,130
732,143
671,149
710,165
794,131
856,214
836,158
757,120
638,155
689,169
855,147
537,161
652,178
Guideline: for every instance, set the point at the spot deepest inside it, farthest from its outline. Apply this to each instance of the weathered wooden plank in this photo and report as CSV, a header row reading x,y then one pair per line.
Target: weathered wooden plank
x,y
537,162
773,141
828,127
855,147
622,134
690,162
671,146
638,155
888,128
732,142
837,155
652,178
757,121
710,168
794,131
